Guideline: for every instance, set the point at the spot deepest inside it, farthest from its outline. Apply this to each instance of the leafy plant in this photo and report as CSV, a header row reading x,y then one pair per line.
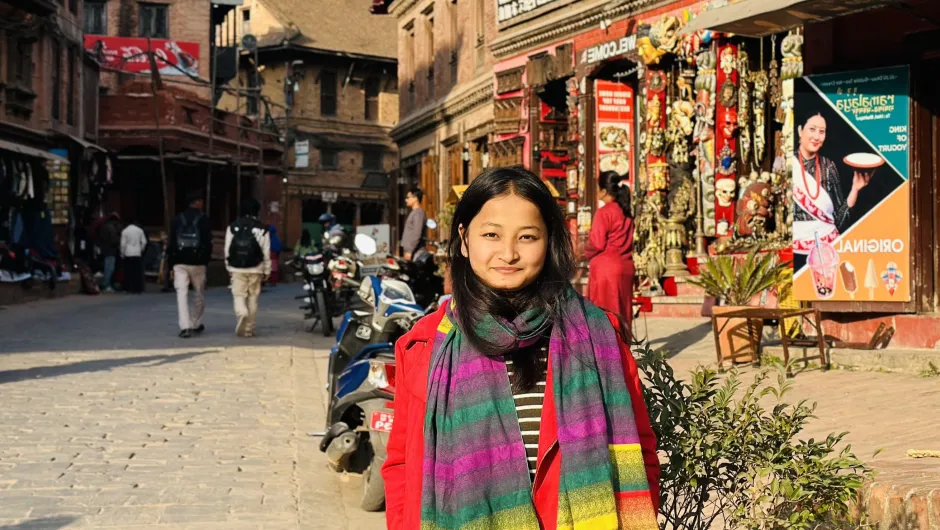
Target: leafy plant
x,y
737,281
930,371
729,462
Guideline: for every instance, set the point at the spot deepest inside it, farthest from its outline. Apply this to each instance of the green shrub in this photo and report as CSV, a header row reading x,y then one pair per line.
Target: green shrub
x,y
729,462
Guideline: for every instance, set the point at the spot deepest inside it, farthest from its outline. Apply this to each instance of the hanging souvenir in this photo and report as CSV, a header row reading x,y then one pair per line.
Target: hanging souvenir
x,y
759,111
681,119
744,107
792,48
773,80
704,131
657,172
726,133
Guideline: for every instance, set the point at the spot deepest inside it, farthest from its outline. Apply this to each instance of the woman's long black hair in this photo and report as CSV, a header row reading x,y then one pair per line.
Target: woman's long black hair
x,y
617,185
473,298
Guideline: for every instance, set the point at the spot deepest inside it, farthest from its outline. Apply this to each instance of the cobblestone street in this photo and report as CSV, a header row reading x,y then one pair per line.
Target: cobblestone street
x,y
109,420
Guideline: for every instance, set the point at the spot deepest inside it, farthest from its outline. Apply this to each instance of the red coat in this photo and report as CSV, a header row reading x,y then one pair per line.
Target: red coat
x,y
403,468
610,249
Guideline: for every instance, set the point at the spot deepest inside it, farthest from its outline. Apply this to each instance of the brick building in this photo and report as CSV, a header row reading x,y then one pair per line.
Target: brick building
x,y
327,70
173,116
48,111
446,92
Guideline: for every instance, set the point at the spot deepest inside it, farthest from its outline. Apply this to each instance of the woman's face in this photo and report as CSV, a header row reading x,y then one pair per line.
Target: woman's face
x,y
506,243
813,135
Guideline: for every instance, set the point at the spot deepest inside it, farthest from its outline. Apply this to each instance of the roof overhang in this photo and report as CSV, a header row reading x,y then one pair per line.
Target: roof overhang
x,y
758,18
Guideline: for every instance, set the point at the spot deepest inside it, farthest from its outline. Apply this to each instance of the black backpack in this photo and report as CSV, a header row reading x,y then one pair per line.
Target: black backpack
x,y
188,235
244,252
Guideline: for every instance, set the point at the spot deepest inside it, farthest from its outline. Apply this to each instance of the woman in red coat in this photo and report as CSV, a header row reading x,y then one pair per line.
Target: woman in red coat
x,y
610,249
518,404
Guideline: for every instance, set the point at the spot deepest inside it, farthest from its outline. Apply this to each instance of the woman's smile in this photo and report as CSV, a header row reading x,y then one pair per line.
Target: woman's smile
x,y
507,270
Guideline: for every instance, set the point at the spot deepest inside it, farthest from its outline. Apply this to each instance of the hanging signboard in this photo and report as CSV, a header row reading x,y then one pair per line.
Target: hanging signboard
x,y
851,188
615,127
301,153
507,10
129,54
382,236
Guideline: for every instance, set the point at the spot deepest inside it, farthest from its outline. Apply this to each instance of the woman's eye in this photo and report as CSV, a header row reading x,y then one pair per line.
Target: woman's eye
x,y
489,235
529,237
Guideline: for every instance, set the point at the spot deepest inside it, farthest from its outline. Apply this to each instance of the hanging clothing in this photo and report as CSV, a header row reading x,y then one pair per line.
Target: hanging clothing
x,y
610,251
821,208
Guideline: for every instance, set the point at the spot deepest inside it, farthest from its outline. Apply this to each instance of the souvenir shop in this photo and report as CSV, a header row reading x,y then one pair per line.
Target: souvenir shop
x,y
700,123
739,142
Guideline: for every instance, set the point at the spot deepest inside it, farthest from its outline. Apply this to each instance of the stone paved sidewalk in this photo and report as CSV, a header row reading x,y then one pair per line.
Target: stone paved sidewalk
x,y
881,411
108,420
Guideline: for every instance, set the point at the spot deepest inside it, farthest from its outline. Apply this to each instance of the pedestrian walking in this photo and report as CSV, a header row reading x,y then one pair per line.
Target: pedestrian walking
x,y
576,450
190,248
412,237
248,260
109,242
133,244
610,248
276,248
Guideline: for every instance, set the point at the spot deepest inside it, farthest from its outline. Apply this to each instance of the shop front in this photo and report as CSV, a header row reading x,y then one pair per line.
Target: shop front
x,y
532,115
758,130
35,209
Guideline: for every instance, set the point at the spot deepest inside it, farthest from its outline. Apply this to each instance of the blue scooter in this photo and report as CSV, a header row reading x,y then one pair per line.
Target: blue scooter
x,y
362,383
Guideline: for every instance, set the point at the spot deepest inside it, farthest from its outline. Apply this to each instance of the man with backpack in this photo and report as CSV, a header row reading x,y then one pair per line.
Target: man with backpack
x,y
189,251
248,260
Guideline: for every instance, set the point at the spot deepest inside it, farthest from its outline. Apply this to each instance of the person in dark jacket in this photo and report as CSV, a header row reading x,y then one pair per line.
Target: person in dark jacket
x,y
190,248
109,242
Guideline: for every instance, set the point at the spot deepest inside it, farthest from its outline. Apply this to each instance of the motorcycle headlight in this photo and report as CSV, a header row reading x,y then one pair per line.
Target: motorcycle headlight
x,y
315,269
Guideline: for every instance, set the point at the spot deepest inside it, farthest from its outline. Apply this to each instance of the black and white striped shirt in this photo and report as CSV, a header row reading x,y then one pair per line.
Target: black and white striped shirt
x,y
529,404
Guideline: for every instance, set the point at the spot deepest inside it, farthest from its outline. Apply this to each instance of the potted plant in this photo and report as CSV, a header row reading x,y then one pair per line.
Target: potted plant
x,y
735,283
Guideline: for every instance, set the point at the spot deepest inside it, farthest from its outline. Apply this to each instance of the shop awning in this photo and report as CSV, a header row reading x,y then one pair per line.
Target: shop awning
x,y
757,18
30,151
84,143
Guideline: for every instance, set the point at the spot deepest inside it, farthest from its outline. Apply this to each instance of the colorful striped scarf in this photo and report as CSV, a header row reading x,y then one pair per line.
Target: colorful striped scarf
x,y
475,471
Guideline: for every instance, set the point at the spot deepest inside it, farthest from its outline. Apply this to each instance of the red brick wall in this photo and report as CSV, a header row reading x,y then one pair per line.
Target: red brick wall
x,y
473,58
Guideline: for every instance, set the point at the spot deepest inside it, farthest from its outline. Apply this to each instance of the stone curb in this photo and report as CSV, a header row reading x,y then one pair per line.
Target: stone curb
x,y
913,362
895,506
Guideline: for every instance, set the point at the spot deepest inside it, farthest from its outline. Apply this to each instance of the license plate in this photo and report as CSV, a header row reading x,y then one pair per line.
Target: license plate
x,y
381,421
364,333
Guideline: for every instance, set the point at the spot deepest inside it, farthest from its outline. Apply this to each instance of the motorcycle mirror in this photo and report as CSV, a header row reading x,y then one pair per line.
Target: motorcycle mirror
x,y
431,223
365,244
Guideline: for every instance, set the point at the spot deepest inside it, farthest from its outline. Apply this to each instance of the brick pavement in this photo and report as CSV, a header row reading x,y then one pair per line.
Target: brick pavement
x,y
891,412
110,421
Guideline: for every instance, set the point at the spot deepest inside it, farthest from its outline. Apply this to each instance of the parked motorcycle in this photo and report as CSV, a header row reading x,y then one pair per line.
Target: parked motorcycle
x,y
318,297
362,381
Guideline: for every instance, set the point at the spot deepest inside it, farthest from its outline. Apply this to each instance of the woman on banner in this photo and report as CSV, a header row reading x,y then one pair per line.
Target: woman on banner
x,y
822,210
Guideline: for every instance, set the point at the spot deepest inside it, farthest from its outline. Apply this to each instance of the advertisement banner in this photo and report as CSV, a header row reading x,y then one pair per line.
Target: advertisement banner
x,y
615,127
851,188
129,54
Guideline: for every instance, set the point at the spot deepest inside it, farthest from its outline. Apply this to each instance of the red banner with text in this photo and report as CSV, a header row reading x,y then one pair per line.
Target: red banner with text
x,y
129,54
615,128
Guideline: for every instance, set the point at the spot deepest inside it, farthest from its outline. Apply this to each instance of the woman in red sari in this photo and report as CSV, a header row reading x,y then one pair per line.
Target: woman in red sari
x,y
610,248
